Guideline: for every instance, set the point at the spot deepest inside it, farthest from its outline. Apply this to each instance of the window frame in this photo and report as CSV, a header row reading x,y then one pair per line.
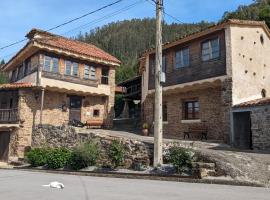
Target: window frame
x,y
70,67
51,68
105,78
86,75
181,51
98,113
195,114
210,49
93,72
77,69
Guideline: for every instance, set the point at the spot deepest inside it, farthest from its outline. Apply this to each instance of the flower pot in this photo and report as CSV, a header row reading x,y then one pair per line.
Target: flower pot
x,y
145,132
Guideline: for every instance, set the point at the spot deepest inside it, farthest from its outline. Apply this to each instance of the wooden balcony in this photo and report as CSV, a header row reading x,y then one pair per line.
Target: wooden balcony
x,y
9,116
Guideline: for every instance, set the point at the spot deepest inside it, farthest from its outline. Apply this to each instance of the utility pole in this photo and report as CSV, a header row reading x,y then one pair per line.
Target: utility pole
x,y
158,88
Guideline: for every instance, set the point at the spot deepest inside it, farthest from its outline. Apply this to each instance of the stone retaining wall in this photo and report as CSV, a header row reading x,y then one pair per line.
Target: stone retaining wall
x,y
137,153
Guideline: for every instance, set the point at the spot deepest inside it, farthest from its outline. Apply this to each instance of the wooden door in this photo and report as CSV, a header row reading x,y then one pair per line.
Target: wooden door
x,y
4,145
75,108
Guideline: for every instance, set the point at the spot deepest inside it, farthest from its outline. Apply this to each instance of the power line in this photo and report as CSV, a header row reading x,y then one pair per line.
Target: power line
x,y
169,15
95,21
68,22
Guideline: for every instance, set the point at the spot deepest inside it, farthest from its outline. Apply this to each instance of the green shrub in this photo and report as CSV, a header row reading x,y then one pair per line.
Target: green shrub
x,y
37,156
57,158
180,158
116,153
84,155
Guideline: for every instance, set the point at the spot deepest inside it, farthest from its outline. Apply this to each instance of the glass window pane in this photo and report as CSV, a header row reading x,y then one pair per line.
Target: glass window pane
x,y
47,63
86,71
93,72
55,65
205,45
75,69
68,68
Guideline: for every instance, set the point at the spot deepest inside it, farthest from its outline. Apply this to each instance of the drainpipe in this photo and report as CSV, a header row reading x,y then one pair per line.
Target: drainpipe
x,y
41,104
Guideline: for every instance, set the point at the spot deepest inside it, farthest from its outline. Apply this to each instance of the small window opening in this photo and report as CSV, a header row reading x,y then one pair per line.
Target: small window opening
x,y
262,39
96,113
263,93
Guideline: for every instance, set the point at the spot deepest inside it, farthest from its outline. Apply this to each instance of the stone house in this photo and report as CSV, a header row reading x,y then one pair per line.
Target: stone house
x,y
251,124
53,80
208,73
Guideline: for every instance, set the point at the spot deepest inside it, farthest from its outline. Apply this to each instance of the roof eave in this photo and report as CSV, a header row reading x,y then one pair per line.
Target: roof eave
x,y
74,54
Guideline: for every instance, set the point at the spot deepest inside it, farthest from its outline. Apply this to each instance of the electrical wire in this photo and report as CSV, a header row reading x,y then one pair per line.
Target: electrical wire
x,y
65,23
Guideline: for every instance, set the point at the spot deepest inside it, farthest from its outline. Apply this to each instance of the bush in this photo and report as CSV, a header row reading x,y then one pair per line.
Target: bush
x,y
180,158
57,158
116,153
83,156
37,156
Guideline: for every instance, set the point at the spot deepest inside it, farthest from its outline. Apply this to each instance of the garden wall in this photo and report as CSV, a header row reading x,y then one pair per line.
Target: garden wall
x,y
137,153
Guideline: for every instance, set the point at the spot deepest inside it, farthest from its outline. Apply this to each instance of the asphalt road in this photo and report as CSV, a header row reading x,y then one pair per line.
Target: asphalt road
x,y
22,185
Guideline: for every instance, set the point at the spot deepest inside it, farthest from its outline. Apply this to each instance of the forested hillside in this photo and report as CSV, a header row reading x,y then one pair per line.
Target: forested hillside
x,y
259,10
128,39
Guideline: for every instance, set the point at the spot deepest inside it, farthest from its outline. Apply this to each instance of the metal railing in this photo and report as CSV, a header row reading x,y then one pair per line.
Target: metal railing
x,y
9,115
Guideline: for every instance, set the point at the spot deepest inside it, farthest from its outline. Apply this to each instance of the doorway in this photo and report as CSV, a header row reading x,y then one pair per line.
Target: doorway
x,y
242,137
75,108
4,145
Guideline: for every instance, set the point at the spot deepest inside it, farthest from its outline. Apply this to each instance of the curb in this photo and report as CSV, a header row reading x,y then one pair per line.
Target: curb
x,y
156,177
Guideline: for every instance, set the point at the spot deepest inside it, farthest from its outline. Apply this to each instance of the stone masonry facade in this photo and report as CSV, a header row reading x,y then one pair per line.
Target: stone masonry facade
x,y
29,102
260,126
212,113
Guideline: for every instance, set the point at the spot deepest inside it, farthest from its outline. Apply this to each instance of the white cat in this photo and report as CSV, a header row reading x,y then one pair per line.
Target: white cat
x,y
55,184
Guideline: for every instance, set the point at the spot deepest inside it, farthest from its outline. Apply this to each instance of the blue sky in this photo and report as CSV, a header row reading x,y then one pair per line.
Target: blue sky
x,y
17,17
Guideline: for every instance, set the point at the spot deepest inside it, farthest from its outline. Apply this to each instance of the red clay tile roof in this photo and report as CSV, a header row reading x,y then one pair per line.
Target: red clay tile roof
x,y
74,46
256,102
208,30
15,85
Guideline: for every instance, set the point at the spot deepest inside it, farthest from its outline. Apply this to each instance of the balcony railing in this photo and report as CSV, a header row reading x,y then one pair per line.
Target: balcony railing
x,y
9,115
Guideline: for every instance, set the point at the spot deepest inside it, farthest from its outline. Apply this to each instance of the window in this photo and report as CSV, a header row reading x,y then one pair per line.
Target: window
x,y
75,69
14,75
27,69
105,76
55,66
86,72
191,109
51,64
96,113
47,63
164,63
182,58
164,112
152,65
93,72
20,72
210,49
68,68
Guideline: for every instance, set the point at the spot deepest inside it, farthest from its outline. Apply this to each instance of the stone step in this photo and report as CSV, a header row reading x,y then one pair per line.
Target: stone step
x,y
204,165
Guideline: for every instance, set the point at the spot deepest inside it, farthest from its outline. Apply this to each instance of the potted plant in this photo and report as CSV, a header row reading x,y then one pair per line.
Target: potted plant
x,y
145,129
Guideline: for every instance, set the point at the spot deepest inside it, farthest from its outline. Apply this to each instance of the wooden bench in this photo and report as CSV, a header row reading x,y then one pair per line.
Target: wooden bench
x,y
94,123
197,129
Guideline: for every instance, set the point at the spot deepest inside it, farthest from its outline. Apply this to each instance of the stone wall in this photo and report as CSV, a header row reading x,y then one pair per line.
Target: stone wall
x,y
260,126
53,114
211,106
66,136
